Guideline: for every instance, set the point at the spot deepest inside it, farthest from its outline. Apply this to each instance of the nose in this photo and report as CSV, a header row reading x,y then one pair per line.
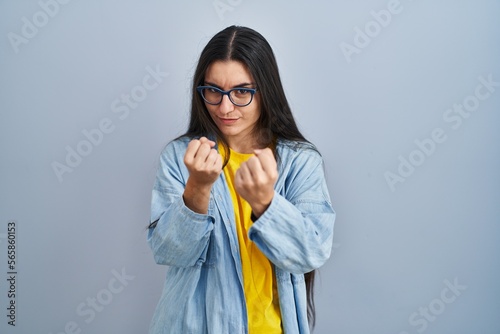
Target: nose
x,y
226,106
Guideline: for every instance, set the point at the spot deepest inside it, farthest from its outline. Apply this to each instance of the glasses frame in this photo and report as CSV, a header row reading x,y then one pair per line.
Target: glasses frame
x,y
252,92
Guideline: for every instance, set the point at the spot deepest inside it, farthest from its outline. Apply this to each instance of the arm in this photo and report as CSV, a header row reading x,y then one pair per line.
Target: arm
x,y
296,230
180,236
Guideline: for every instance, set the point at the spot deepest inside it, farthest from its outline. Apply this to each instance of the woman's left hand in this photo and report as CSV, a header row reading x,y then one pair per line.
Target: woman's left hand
x,y
255,180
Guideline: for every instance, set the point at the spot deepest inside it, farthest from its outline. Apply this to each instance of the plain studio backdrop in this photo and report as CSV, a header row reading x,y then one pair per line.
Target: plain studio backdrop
x,y
401,97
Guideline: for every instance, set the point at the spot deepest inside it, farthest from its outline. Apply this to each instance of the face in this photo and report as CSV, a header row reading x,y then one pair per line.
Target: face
x,y
235,123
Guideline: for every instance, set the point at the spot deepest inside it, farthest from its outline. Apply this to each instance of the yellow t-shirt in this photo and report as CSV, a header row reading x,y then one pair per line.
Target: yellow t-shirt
x,y
261,295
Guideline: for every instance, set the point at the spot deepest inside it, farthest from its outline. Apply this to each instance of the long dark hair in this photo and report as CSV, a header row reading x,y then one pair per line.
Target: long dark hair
x,y
276,121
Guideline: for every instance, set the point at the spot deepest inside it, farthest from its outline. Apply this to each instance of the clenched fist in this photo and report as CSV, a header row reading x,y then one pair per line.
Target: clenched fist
x,y
255,180
204,164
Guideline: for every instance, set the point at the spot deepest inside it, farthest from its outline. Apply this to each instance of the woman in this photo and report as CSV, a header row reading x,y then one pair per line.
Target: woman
x,y
240,208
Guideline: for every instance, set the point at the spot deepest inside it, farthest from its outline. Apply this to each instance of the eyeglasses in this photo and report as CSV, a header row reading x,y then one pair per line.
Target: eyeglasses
x,y
240,97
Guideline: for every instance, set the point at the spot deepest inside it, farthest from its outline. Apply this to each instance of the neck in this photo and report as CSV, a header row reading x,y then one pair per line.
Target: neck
x,y
246,144
243,147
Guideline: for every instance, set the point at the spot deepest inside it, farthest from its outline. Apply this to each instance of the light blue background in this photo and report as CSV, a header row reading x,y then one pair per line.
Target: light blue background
x,y
394,248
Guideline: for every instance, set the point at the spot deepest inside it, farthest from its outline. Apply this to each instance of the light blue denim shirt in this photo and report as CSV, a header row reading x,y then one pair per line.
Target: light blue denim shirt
x,y
203,291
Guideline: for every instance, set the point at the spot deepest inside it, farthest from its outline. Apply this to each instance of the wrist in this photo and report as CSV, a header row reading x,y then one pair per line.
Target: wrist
x,y
259,209
196,197
197,188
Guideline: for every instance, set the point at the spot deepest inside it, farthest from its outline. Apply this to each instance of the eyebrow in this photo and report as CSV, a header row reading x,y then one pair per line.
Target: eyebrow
x,y
242,85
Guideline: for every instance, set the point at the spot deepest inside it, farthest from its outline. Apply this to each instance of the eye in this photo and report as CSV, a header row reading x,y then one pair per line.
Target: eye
x,y
213,90
241,92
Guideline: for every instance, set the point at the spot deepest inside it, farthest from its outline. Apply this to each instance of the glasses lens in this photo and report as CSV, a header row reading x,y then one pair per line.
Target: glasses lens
x,y
241,97
212,95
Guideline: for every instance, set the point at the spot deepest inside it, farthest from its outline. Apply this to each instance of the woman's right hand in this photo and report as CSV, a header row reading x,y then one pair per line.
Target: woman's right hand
x,y
204,164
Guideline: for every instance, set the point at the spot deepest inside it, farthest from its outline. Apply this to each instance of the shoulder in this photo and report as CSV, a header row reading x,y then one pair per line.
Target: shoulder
x,y
301,171
178,144
291,150
174,151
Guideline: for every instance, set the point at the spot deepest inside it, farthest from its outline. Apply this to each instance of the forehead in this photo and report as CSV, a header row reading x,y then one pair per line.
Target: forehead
x,y
227,74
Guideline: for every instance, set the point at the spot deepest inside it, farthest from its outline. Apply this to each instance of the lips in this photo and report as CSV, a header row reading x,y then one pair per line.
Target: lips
x,y
228,121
